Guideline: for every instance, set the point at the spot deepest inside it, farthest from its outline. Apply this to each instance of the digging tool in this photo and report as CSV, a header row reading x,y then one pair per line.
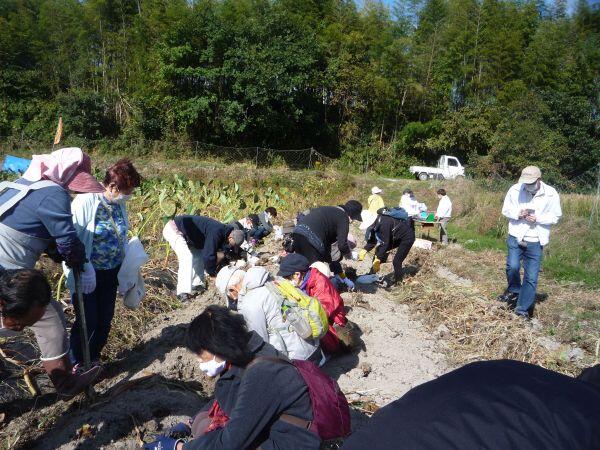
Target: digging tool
x,y
85,345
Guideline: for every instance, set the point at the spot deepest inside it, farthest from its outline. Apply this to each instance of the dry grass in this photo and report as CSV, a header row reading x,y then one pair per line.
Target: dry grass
x,y
480,328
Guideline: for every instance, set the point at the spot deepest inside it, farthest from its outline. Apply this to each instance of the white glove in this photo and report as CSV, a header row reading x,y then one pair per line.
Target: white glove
x,y
354,255
88,279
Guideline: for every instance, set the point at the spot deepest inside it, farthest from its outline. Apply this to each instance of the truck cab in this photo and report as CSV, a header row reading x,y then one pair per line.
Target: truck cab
x,y
447,167
450,166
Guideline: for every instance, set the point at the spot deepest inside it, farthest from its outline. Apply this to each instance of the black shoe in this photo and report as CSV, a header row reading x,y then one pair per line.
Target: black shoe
x,y
510,298
199,289
183,298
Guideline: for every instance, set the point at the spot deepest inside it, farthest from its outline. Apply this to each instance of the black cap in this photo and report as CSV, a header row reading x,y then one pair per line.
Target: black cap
x,y
353,208
292,263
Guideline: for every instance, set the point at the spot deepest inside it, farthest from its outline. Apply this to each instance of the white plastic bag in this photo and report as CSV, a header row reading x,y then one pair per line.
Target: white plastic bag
x,y
131,283
134,296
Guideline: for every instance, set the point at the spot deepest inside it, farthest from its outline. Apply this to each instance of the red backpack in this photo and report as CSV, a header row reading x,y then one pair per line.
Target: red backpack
x,y
331,413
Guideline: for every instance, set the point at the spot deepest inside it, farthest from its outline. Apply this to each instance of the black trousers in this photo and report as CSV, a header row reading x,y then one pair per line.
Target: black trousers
x,y
404,247
303,246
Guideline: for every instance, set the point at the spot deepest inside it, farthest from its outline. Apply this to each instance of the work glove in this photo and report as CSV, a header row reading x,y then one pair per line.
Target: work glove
x,y
354,255
362,254
163,443
73,254
376,265
88,279
349,283
179,431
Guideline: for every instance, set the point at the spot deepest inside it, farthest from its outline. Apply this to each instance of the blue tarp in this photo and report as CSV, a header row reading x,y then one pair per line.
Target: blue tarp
x,y
15,164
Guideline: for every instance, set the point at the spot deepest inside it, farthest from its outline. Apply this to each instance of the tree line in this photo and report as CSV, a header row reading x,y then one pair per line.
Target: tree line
x,y
498,83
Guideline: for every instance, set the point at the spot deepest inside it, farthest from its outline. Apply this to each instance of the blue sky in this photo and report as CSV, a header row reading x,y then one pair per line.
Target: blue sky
x,y
571,3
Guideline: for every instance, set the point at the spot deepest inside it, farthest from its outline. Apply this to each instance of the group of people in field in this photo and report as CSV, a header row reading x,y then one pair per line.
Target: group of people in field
x,y
265,343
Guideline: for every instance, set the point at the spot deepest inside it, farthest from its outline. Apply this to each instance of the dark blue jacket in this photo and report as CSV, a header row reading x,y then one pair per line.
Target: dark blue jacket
x,y
500,405
253,399
46,214
207,234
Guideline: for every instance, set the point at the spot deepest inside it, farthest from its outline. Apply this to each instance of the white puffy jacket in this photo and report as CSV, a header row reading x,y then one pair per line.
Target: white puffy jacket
x,y
262,311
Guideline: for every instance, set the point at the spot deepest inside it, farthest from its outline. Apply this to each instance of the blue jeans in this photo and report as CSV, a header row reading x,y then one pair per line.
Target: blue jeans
x,y
258,233
99,311
531,257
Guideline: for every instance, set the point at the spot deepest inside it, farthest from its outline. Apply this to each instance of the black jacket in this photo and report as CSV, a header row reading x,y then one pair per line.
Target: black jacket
x,y
392,232
500,405
206,234
329,224
253,399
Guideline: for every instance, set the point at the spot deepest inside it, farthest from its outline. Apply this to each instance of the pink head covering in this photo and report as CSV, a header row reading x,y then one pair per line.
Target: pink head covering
x,y
68,167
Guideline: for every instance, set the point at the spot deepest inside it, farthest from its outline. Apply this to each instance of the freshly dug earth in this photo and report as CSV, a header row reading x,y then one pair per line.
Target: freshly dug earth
x,y
158,383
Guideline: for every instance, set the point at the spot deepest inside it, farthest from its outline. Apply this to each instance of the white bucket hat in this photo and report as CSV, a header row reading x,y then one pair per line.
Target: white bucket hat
x,y
376,190
367,219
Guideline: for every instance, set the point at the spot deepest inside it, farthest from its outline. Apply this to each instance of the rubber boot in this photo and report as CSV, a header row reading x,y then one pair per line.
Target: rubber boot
x,y
65,382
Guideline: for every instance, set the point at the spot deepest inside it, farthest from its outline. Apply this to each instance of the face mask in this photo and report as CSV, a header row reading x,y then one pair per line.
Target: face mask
x,y
121,198
213,367
531,188
268,216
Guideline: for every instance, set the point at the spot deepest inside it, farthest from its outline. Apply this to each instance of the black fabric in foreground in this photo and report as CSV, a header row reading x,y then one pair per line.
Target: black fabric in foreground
x,y
489,405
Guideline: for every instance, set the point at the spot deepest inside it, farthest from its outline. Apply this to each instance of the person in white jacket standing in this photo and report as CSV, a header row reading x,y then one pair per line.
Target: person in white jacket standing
x,y
247,292
443,214
531,207
101,223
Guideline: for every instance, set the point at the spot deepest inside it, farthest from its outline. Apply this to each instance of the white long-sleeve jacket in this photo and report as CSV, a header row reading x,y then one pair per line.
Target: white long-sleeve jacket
x,y
444,209
545,203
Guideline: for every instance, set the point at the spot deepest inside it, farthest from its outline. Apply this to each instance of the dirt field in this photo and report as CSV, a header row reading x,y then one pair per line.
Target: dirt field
x,y
442,316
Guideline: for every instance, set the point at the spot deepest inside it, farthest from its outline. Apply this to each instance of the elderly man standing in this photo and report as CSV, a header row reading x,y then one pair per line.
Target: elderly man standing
x,y
531,207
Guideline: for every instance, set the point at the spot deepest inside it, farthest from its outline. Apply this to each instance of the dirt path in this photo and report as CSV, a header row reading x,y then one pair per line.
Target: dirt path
x,y
158,383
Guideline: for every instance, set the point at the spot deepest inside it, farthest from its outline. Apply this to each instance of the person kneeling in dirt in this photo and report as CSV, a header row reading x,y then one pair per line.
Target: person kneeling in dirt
x,y
317,232
25,301
261,399
249,293
388,233
501,405
257,226
196,240
310,280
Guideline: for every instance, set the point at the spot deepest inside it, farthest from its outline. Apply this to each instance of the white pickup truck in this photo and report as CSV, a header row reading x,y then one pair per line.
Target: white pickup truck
x,y
447,167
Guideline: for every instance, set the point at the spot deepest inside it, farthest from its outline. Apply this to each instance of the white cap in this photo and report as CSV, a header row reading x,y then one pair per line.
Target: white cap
x,y
223,278
322,267
376,190
530,174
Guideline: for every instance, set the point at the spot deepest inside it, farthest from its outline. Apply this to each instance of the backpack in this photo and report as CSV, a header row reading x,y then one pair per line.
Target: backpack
x,y
397,213
305,314
331,413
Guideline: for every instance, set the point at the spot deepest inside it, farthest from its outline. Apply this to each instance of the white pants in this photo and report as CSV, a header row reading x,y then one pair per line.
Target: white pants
x,y
191,264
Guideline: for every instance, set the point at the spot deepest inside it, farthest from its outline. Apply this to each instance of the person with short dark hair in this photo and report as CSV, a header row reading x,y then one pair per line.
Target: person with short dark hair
x,y
500,405
102,223
200,243
326,227
259,403
257,226
443,214
25,302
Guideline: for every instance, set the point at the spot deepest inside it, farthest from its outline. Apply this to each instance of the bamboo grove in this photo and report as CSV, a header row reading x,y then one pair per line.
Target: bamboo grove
x,y
499,83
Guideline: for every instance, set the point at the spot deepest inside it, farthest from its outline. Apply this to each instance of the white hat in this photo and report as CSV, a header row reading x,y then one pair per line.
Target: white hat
x,y
367,219
530,174
223,278
376,190
322,267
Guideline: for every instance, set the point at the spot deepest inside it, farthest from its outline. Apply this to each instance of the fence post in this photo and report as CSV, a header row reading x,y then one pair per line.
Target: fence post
x,y
257,157
310,157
